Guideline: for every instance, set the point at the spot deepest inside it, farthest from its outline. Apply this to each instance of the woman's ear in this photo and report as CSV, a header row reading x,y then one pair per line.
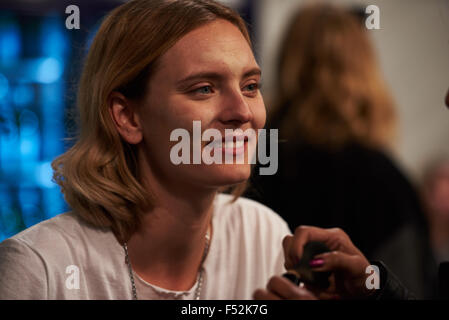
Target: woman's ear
x,y
125,118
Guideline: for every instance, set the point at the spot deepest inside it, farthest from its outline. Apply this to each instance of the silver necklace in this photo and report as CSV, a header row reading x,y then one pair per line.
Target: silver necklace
x,y
200,279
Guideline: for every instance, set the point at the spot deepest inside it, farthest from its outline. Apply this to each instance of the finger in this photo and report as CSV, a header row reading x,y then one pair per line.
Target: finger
x,y
287,290
340,261
326,294
304,234
331,289
262,294
286,244
334,238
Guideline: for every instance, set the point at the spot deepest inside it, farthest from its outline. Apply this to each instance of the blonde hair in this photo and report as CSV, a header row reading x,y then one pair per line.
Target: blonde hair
x,y
98,175
329,87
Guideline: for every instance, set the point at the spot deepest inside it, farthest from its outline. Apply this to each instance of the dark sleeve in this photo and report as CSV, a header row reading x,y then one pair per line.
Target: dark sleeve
x,y
391,287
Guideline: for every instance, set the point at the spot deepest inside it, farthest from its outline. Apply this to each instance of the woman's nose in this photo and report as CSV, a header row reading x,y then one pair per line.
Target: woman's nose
x,y
236,108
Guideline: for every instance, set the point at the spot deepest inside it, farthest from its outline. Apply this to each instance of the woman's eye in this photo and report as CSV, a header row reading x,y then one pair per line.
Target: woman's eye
x,y
252,87
203,90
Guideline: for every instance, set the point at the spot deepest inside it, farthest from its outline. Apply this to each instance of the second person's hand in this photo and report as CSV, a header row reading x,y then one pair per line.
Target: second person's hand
x,y
346,262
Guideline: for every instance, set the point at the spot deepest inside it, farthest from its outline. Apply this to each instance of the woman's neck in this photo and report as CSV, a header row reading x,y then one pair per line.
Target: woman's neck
x,y
168,247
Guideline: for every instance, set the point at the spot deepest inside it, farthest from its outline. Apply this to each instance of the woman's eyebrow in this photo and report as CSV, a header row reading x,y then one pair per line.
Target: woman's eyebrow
x,y
198,76
213,76
253,72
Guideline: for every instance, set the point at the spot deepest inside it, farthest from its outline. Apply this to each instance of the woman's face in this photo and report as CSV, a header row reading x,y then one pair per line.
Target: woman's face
x,y
209,75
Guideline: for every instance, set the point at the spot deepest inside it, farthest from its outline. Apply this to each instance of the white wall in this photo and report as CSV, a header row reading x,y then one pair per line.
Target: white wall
x,y
413,51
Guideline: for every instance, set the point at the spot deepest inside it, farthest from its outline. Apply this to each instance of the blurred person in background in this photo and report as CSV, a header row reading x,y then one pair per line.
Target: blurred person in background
x,y
348,264
435,191
337,124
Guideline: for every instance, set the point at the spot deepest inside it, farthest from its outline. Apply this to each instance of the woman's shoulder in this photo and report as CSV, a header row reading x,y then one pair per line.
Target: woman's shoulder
x,y
44,255
60,233
40,231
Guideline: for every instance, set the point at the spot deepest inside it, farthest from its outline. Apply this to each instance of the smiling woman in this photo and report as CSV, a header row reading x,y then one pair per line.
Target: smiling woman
x,y
142,226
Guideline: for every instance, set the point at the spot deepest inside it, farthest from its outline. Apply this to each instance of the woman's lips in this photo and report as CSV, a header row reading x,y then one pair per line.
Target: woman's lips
x,y
234,148
233,145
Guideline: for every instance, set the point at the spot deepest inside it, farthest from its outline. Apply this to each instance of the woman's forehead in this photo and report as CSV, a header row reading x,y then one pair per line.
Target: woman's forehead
x,y
219,45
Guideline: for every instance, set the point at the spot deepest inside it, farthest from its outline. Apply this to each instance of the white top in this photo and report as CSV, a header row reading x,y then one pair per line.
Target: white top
x,y
66,258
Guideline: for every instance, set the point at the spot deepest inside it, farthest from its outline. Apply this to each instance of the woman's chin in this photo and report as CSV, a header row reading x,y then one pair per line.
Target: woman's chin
x,y
228,174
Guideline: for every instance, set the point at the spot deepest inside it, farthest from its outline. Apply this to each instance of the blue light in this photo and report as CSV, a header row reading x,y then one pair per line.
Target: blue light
x,y
52,120
9,153
53,37
23,95
29,145
44,174
11,220
49,70
29,123
53,202
9,42
31,214
26,147
32,104
4,86
28,195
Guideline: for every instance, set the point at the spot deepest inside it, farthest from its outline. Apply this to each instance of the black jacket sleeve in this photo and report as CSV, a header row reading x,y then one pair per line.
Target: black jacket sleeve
x,y
391,287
